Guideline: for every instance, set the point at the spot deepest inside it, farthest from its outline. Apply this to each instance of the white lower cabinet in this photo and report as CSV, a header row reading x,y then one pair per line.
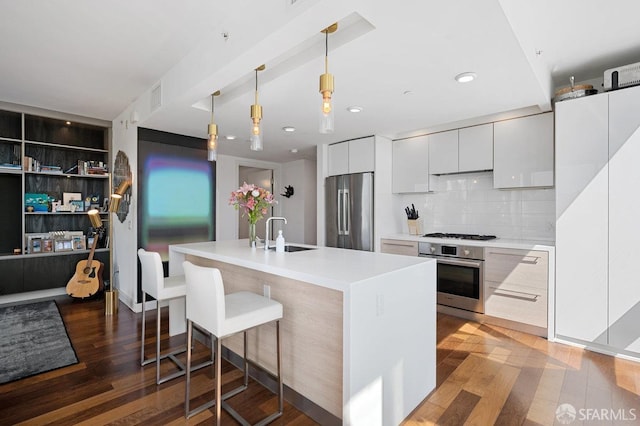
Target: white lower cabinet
x,y
407,248
516,285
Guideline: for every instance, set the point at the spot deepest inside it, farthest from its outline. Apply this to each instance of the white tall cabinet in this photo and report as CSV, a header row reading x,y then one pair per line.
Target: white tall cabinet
x,y
624,219
597,220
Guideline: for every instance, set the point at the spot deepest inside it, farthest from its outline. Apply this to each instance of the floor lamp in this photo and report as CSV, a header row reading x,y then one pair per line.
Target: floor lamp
x,y
111,295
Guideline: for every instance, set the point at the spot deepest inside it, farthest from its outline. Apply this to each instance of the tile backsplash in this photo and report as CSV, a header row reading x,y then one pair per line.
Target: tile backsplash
x,y
468,203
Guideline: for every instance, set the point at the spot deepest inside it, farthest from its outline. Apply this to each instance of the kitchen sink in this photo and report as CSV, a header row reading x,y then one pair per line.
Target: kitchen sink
x,y
291,249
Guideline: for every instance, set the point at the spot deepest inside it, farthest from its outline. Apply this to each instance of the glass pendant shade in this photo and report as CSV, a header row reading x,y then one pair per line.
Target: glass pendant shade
x,y
212,143
212,131
256,137
326,115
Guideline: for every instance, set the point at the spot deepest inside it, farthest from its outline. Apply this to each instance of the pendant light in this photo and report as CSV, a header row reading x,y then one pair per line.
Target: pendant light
x,y
256,116
326,87
212,142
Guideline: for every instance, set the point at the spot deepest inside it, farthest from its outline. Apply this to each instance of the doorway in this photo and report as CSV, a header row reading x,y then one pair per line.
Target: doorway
x,y
264,179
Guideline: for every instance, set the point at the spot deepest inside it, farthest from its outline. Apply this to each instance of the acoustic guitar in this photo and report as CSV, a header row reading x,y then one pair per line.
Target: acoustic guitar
x,y
87,279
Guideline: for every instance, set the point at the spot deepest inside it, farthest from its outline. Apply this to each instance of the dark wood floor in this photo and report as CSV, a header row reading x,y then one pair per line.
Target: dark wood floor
x,y
486,375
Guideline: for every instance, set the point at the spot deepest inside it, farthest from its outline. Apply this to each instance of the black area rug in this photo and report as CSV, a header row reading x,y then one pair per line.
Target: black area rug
x,y
33,340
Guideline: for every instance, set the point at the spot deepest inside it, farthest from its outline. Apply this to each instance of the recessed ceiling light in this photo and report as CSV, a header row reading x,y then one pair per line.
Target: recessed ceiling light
x,y
293,151
354,109
68,123
465,77
289,129
230,137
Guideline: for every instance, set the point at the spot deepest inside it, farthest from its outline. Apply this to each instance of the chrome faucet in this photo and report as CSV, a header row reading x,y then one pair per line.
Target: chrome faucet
x,y
266,232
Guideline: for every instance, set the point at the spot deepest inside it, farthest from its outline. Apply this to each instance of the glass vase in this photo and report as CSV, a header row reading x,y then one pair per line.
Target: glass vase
x,y
252,235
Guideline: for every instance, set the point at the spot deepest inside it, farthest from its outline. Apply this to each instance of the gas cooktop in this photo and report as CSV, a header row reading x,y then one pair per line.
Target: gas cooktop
x,y
461,236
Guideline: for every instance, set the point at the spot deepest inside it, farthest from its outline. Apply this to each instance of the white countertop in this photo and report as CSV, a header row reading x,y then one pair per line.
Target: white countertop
x,y
325,266
497,243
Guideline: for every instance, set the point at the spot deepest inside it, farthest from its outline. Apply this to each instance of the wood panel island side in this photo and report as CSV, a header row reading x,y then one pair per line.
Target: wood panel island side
x,y
358,331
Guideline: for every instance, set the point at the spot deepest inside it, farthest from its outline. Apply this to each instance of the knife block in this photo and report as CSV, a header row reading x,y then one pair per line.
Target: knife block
x,y
415,226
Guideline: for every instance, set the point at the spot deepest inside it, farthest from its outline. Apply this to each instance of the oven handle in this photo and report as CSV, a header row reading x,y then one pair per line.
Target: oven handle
x,y
455,262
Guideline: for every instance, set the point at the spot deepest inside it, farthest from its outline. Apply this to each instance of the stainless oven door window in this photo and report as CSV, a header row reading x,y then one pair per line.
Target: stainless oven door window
x,y
461,280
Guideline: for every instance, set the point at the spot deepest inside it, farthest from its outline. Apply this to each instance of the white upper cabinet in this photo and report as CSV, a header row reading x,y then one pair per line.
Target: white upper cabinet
x,y
475,148
361,155
410,169
523,152
462,150
338,159
353,156
443,152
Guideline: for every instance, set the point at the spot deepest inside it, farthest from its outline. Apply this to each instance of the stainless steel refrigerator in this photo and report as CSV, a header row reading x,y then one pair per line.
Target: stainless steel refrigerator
x,y
349,211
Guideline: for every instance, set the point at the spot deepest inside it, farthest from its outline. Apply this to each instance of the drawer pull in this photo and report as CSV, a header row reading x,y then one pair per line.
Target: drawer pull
x,y
533,260
515,294
398,244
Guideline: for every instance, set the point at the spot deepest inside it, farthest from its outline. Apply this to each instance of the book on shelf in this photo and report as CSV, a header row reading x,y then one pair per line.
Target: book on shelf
x,y
91,168
50,169
10,166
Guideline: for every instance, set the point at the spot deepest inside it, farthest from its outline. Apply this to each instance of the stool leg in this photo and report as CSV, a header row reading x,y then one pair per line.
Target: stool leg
x,y
144,299
218,380
188,373
158,342
280,387
246,363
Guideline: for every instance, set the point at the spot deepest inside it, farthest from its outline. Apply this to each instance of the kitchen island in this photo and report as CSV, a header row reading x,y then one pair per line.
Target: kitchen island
x,y
358,331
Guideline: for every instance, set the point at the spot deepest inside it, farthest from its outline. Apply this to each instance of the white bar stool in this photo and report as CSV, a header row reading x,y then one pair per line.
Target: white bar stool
x,y
222,316
160,288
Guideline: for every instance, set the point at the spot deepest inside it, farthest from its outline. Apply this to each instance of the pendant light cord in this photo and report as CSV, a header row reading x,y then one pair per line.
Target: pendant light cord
x,y
213,96
256,86
326,52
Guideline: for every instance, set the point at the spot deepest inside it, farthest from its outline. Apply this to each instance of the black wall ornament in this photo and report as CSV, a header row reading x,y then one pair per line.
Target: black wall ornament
x,y
288,191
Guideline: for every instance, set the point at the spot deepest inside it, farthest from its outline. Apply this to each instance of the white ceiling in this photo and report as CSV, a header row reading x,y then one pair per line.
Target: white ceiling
x,y
102,59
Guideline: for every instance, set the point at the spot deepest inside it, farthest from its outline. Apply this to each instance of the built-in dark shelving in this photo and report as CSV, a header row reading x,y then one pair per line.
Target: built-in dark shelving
x,y
47,142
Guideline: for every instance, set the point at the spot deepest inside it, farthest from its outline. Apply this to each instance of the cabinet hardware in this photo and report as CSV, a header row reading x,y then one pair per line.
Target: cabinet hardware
x,y
533,260
515,294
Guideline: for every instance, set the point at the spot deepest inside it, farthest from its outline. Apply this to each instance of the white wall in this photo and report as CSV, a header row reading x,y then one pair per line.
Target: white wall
x,y
124,235
300,209
467,203
227,172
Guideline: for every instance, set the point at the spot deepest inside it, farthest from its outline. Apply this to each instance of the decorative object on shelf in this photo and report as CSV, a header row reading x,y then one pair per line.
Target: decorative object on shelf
x,y
254,202
212,142
67,197
36,202
256,116
573,91
326,87
76,206
121,176
288,191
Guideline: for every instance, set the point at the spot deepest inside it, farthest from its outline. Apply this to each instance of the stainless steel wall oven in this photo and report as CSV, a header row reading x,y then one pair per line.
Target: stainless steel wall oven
x,y
460,275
